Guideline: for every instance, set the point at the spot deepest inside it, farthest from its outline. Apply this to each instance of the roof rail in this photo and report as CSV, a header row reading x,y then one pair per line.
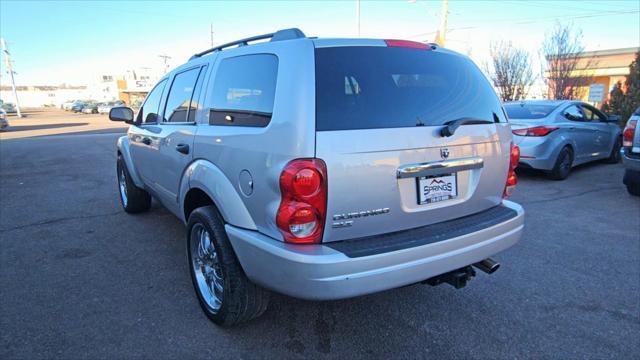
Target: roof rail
x,y
286,34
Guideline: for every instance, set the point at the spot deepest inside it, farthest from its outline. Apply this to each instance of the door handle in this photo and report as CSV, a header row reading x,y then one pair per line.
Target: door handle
x,y
146,141
182,148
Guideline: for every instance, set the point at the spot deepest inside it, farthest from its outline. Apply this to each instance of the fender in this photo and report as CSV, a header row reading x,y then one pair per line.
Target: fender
x,y
123,147
204,175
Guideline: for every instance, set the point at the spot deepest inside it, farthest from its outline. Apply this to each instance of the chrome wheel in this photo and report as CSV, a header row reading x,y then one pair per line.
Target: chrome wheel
x,y
206,267
122,184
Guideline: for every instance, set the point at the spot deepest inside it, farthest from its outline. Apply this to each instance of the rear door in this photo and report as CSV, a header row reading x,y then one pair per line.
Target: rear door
x,y
605,131
379,113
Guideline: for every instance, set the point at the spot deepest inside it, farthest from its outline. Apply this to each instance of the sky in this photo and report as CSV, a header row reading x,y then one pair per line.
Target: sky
x,y
73,42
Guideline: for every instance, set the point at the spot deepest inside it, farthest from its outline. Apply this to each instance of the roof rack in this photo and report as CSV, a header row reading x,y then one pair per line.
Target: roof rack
x,y
285,34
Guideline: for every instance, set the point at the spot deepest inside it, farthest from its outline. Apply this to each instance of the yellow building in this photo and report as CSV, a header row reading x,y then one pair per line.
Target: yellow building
x,y
604,67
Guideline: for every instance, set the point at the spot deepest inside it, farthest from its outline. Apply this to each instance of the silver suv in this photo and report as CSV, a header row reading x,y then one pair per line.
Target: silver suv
x,y
324,168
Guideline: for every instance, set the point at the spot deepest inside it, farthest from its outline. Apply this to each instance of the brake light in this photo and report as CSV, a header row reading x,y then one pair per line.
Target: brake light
x,y
629,132
535,131
303,205
512,179
407,44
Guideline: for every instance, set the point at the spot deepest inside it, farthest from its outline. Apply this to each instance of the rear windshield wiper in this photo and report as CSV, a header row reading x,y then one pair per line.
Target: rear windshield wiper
x,y
452,125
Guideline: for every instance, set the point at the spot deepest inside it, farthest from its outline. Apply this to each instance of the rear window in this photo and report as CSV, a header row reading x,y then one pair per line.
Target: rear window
x,y
528,111
381,87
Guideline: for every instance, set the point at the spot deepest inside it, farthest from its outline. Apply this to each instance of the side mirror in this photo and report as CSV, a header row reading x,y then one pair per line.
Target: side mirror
x,y
613,118
121,113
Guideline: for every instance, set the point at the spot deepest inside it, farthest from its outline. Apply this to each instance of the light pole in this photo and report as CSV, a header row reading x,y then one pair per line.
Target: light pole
x,y
358,15
7,58
165,58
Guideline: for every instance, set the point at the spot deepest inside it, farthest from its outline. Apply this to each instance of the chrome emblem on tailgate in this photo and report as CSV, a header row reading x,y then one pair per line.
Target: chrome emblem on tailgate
x,y
444,153
346,222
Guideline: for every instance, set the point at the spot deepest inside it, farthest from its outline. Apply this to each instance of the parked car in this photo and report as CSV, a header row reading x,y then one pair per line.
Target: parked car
x,y
369,168
555,136
106,107
4,122
8,107
90,108
631,154
78,106
68,104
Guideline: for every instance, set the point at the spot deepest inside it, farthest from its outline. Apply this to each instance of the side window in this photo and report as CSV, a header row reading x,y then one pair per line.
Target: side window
x,y
179,104
244,90
574,113
595,115
149,111
588,114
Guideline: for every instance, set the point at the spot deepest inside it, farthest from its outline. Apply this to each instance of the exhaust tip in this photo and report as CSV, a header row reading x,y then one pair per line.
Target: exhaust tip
x,y
488,266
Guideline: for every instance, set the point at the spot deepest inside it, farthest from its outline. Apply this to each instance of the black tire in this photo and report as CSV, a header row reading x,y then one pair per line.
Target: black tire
x,y
133,199
241,299
614,156
562,167
632,181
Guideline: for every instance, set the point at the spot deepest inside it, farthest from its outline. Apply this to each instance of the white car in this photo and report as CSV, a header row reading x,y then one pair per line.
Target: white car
x,y
4,123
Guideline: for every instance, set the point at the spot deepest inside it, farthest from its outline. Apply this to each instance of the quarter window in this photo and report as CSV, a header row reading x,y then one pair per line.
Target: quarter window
x,y
244,91
179,102
149,111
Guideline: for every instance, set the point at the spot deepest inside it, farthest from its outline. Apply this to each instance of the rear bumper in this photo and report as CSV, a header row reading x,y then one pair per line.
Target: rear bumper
x,y
538,152
320,272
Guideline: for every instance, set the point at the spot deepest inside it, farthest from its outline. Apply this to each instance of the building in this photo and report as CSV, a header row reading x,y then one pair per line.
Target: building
x,y
605,67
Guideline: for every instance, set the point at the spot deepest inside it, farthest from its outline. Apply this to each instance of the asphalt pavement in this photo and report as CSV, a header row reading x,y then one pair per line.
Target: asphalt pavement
x,y
79,278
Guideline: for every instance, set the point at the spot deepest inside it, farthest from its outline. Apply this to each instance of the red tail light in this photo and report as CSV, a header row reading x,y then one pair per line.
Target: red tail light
x,y
535,131
629,132
407,44
303,206
512,179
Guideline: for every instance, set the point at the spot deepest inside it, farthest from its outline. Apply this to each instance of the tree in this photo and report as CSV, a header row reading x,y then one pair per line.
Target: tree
x,y
616,103
632,84
562,48
510,70
624,101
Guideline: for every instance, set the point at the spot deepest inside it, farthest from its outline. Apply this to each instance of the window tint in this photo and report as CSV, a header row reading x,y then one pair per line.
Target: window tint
x,y
591,114
179,103
244,90
574,113
524,110
381,87
149,111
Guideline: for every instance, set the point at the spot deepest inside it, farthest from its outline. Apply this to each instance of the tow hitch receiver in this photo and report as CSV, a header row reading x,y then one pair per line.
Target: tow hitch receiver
x,y
457,278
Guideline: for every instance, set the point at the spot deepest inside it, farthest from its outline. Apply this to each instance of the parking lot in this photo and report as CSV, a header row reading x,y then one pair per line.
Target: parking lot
x,y
81,279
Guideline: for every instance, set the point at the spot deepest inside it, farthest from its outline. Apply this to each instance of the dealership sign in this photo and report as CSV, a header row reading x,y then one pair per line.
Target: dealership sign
x,y
596,92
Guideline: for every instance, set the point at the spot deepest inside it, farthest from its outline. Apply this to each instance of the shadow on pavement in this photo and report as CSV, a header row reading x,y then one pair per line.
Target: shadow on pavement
x,y
14,128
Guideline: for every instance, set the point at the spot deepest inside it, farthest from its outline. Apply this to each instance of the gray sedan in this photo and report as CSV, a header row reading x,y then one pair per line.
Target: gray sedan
x,y
554,136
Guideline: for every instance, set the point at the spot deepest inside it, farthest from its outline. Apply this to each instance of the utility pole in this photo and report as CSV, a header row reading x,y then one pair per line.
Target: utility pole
x,y
358,15
7,58
442,31
165,58
211,33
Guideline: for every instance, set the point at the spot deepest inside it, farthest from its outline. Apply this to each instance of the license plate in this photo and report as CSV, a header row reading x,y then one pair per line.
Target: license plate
x,y
432,189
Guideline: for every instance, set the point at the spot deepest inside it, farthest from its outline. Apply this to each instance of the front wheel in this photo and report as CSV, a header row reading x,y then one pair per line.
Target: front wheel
x,y
133,199
225,294
563,164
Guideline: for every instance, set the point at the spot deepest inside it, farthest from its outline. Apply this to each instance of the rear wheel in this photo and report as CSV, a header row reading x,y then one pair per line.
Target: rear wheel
x,y
133,199
632,181
614,156
225,293
562,167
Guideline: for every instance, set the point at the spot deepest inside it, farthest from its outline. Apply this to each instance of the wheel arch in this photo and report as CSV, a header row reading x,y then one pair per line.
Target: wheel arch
x,y
124,151
204,184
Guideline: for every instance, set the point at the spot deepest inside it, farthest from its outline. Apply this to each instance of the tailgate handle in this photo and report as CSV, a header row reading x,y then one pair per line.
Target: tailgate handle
x,y
439,167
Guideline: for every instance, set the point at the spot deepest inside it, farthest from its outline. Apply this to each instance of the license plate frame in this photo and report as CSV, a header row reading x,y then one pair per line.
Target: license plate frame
x,y
438,196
